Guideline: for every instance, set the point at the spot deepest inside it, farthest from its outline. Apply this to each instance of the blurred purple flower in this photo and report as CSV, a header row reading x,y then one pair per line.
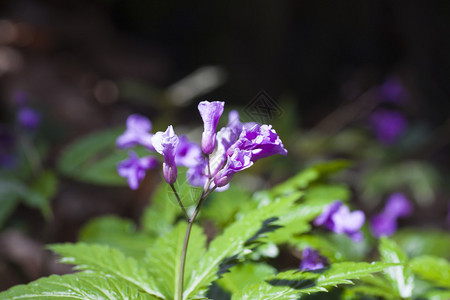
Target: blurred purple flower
x,y
261,140
134,168
28,118
210,113
385,223
311,260
166,143
392,90
196,175
137,133
388,125
240,160
7,157
189,154
338,218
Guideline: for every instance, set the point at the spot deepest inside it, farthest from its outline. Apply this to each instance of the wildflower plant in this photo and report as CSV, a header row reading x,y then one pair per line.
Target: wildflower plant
x,y
170,257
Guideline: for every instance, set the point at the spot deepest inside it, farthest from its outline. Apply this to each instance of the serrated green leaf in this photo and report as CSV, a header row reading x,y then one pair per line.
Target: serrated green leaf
x,y
375,286
244,274
434,269
291,284
75,286
163,259
232,242
118,233
93,158
401,277
108,261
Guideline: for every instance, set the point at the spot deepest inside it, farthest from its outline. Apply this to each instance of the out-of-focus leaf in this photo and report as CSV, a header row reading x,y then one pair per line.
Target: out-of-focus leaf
x,y
118,233
431,268
303,179
81,286
419,241
420,177
42,191
94,158
242,275
375,286
401,277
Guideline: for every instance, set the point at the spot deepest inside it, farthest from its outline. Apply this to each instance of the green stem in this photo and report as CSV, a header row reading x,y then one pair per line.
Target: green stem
x,y
186,216
179,288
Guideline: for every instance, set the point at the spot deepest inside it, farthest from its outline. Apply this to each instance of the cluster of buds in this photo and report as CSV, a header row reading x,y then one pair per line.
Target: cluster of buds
x,y
222,154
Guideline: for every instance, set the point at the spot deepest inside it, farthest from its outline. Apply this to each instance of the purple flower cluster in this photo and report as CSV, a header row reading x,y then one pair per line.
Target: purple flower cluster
x,y
338,218
221,154
311,260
388,125
385,223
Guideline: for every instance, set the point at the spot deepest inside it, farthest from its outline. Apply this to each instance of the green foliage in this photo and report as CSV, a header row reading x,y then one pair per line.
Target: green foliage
x,y
109,261
83,286
419,241
434,269
291,284
233,242
400,277
118,233
244,274
94,158
163,258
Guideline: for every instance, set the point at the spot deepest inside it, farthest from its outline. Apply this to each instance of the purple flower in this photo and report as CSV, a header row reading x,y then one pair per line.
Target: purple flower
x,y
28,118
165,143
338,218
137,133
385,223
388,125
261,140
210,113
188,153
134,168
392,90
311,260
240,160
196,175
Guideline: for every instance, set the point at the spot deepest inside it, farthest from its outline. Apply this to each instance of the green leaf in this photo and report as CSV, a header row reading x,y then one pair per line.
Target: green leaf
x,y
434,269
118,233
401,277
419,241
42,191
163,259
375,286
159,217
308,176
233,242
438,295
75,286
244,274
108,261
291,284
94,158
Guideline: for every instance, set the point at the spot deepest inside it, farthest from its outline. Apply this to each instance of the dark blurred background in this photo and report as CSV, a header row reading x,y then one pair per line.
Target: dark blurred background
x,y
87,64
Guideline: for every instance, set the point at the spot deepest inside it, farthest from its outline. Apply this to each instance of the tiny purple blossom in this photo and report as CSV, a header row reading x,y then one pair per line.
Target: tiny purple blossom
x,y
134,168
210,113
311,260
28,118
137,133
388,125
240,160
338,218
392,90
385,223
165,143
189,154
261,140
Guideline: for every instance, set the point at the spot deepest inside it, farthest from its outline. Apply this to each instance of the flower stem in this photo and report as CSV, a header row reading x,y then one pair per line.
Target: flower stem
x,y
186,216
179,288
